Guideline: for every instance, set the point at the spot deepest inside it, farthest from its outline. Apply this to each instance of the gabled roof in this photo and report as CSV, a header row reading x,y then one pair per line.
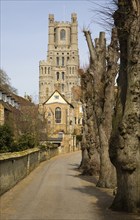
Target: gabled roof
x,y
57,101
20,100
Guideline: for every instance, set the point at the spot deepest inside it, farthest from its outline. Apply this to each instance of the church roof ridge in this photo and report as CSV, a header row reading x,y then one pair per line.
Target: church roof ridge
x,y
61,96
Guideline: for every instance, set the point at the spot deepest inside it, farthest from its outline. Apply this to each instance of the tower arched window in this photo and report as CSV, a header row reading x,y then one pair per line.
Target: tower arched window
x,y
55,35
57,76
73,70
49,69
62,34
63,76
57,61
70,70
62,61
58,115
41,70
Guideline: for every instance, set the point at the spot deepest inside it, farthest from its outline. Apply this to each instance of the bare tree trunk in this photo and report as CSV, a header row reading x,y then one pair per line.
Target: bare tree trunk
x,y
107,176
90,156
125,138
103,98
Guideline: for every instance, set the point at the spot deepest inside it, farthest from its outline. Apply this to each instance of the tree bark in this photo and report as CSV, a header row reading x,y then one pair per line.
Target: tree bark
x,y
102,71
90,155
125,138
107,176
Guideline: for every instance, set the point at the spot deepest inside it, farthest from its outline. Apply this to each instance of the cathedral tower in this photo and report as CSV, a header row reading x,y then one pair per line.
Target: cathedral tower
x,y
60,70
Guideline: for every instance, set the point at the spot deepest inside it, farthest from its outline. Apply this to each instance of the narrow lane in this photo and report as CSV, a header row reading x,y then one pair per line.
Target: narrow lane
x,y
57,191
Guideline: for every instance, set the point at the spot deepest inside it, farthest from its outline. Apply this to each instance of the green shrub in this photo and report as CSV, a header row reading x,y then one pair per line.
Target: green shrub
x,y
7,143
6,138
42,147
26,141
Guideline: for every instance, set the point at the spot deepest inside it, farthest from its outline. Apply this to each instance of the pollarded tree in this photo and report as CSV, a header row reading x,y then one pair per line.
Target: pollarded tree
x,y
125,139
103,68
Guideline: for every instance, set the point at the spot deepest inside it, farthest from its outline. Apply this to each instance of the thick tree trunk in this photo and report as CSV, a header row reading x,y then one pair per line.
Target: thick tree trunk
x,y
107,176
85,158
90,161
103,99
125,139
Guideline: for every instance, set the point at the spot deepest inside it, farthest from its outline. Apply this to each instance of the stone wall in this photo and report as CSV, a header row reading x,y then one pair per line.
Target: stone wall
x,y
15,166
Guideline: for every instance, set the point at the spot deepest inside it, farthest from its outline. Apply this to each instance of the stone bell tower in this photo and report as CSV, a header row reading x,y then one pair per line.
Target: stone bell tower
x,y
60,69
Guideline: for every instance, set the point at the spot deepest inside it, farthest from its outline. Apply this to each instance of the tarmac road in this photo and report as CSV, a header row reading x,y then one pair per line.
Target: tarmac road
x,y
56,191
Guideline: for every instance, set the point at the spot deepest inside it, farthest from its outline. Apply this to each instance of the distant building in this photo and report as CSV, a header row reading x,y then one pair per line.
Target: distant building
x,y
60,70
11,105
59,113
8,105
59,82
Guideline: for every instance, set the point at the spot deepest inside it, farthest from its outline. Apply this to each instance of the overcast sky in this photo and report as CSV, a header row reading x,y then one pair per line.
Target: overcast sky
x,y
24,36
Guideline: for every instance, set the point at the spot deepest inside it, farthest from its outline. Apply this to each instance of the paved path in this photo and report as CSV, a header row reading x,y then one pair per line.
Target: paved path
x,y
56,191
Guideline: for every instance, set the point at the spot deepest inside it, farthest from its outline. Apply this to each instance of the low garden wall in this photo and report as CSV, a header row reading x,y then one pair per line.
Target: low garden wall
x,y
15,166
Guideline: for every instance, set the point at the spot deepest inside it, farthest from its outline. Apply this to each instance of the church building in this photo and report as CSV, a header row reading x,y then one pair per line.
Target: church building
x,y
59,82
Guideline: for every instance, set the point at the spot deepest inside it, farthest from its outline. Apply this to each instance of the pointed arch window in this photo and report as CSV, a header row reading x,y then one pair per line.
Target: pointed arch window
x,y
70,70
49,70
57,76
55,35
73,70
62,34
45,70
58,115
63,76
62,61
41,70
57,61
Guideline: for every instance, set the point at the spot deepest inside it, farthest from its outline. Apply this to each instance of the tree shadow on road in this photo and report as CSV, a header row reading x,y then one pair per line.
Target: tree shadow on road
x,y
101,198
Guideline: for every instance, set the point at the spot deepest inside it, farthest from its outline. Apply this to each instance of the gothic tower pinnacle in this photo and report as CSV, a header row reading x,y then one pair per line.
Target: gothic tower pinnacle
x,y
60,69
